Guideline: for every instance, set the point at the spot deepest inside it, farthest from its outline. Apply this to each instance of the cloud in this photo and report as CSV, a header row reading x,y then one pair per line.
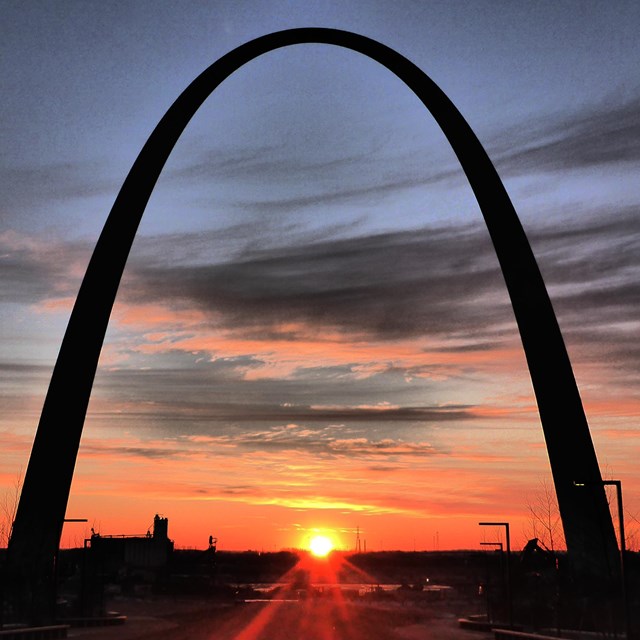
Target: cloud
x,y
35,269
32,188
321,474
437,290
599,135
263,164
265,424
592,272
332,195
328,442
431,282
386,285
386,447
13,370
295,182
595,136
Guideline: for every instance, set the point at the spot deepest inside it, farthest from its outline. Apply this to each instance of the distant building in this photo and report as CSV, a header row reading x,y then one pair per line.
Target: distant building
x,y
117,552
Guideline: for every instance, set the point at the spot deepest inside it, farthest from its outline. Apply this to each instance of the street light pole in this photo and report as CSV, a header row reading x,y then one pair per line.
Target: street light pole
x,y
623,551
486,594
509,597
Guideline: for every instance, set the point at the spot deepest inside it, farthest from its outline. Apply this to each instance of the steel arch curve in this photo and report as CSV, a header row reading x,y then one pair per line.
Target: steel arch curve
x,y
587,523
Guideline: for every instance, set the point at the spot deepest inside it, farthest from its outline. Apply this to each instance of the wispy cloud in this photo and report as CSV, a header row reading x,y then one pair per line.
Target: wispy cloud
x,y
387,285
598,135
356,475
443,281
437,290
36,269
35,187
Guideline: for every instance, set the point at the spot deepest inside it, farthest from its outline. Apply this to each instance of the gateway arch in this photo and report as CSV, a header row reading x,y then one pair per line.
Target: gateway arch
x,y
589,532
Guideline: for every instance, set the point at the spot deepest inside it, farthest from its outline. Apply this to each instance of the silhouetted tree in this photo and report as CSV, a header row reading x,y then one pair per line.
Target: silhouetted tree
x,y
632,541
8,507
545,523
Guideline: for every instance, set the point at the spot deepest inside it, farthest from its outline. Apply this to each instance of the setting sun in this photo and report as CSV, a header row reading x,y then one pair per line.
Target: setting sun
x,y
320,546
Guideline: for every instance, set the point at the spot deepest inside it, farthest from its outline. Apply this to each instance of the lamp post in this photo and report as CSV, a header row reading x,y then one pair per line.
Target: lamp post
x,y
499,545
508,540
623,551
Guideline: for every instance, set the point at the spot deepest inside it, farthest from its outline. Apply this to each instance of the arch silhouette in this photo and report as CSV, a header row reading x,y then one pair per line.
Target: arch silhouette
x,y
589,532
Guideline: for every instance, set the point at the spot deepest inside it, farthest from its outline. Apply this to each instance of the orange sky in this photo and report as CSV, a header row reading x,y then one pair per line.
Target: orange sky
x,y
423,483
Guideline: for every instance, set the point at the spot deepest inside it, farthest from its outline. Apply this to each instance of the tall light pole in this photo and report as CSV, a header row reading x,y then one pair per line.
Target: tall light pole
x,y
486,595
508,541
623,551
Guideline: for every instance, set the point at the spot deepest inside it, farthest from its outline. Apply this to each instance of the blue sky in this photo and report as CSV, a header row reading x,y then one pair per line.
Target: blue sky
x,y
312,290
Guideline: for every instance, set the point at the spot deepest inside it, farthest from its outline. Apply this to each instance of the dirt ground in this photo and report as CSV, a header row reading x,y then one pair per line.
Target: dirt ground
x,y
316,619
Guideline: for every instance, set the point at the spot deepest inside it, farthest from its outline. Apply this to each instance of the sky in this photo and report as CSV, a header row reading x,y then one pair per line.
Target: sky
x,y
312,333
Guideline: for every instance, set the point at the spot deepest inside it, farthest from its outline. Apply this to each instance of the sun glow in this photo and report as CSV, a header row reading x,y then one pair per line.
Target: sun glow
x,y
320,546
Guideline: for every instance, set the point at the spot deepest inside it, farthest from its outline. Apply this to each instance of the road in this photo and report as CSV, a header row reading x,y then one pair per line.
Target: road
x,y
329,618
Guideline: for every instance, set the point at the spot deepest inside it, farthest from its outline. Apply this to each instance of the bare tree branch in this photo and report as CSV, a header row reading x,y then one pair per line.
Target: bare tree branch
x,y
8,507
545,523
